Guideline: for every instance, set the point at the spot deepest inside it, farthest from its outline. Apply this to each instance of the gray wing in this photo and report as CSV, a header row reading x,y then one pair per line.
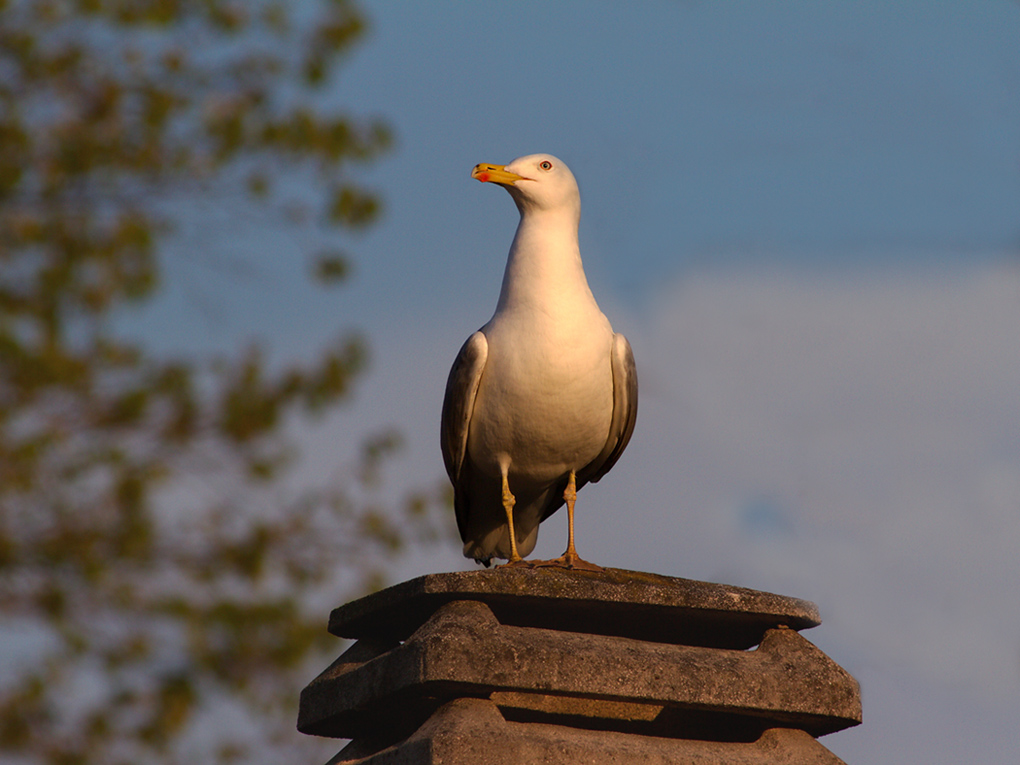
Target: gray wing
x,y
625,395
459,402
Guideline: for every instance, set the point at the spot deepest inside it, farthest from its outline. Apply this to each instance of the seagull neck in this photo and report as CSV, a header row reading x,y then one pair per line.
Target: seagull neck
x,y
544,264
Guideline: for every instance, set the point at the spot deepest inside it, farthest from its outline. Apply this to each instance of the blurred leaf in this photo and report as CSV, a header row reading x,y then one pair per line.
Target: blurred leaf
x,y
352,207
332,268
258,185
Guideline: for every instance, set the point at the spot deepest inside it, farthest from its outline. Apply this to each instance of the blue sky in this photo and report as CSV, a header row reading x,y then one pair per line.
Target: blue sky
x,y
705,136
708,132
806,218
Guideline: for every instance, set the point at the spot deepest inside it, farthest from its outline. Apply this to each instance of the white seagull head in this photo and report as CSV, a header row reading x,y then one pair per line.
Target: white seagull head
x,y
536,182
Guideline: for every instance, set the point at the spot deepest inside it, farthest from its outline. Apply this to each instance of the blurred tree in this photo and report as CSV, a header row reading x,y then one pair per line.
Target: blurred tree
x,y
155,563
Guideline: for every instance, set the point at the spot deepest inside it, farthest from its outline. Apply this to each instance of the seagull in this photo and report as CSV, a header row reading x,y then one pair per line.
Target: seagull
x,y
543,398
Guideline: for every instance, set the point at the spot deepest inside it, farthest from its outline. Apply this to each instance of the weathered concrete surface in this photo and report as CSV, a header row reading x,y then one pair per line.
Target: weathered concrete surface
x,y
472,731
613,602
463,650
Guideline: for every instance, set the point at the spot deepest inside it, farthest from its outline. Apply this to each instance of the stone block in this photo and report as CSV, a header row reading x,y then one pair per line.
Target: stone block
x,y
473,731
463,650
611,602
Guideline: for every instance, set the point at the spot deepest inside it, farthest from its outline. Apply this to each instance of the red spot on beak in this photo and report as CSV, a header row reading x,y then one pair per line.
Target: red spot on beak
x,y
483,177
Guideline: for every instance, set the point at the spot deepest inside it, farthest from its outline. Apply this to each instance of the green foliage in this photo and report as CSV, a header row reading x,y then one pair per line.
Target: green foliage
x,y
153,547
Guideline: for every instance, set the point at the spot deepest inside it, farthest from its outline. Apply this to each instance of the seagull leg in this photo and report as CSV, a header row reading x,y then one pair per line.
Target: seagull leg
x,y
570,558
570,497
508,508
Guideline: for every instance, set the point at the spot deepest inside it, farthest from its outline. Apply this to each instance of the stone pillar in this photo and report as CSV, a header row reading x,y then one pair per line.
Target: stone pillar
x,y
548,665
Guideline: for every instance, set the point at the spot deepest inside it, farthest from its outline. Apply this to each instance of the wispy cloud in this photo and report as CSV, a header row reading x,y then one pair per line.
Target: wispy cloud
x,y
854,440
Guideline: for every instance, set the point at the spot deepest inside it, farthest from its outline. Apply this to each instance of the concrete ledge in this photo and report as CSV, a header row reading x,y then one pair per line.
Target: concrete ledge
x,y
472,731
463,650
614,602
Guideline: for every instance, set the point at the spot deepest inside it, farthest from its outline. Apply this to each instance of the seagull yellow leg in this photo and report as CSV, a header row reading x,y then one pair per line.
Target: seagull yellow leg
x,y
508,508
570,497
570,558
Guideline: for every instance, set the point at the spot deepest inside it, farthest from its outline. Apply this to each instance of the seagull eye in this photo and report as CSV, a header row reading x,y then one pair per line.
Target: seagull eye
x,y
545,165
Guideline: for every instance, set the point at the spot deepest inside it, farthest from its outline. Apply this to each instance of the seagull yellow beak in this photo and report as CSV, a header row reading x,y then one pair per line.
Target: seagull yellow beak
x,y
495,174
